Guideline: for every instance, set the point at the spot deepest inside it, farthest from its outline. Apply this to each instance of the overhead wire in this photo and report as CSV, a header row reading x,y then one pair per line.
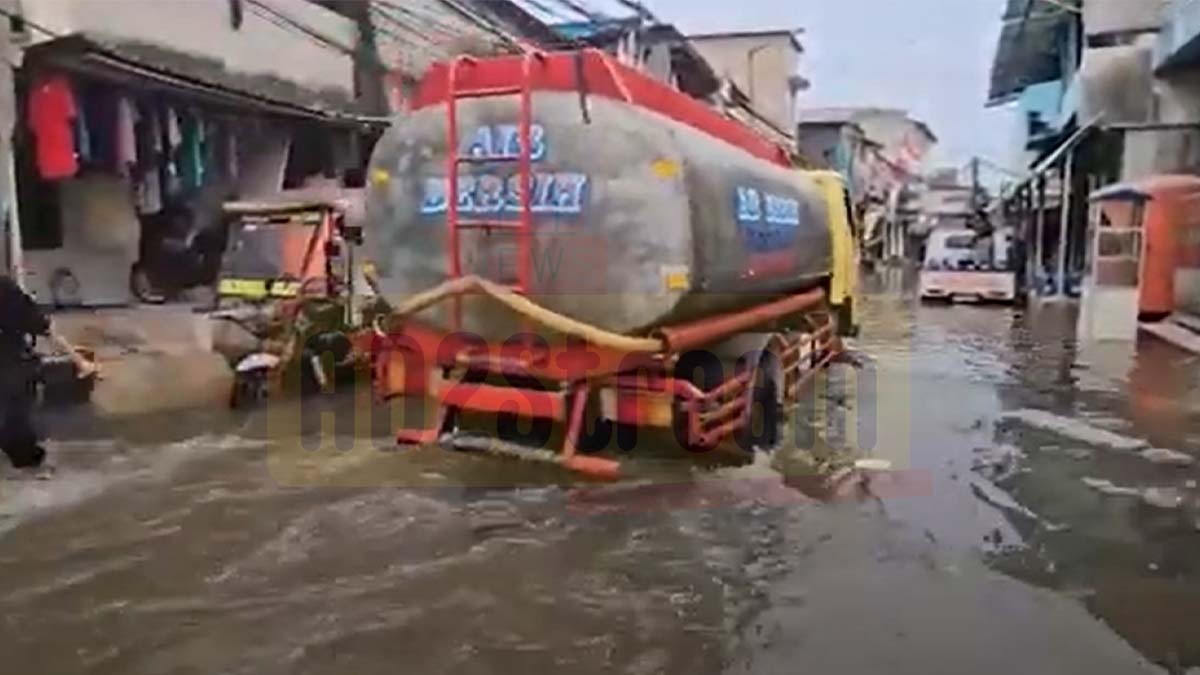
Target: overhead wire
x,y
426,30
11,15
394,11
1074,9
298,26
543,8
410,32
640,8
474,17
582,9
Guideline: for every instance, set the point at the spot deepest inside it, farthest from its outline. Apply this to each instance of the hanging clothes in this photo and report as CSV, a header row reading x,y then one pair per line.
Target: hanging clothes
x,y
52,114
145,130
172,181
174,137
212,145
126,137
148,142
192,152
231,151
83,138
99,107
155,132
149,192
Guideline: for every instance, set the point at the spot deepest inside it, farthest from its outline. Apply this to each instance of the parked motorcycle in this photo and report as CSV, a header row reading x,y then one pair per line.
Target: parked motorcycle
x,y
176,257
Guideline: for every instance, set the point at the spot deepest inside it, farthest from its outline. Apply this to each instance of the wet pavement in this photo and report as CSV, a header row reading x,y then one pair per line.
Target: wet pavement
x,y
209,543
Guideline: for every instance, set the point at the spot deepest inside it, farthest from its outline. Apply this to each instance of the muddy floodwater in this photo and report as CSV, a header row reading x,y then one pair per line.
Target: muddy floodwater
x,y
1041,515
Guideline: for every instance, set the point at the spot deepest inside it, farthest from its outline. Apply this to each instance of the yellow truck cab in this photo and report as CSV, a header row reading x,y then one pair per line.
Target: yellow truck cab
x,y
843,280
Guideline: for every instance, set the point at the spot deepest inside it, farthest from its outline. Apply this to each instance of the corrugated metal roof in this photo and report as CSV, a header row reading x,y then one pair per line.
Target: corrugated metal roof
x,y
1163,185
851,114
1028,51
790,35
833,115
155,67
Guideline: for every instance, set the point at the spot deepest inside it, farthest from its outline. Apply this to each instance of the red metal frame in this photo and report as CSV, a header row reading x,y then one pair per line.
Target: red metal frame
x,y
459,70
708,418
602,76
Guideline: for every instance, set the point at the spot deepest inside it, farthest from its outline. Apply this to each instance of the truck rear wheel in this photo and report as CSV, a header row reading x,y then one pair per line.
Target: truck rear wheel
x,y
846,325
764,428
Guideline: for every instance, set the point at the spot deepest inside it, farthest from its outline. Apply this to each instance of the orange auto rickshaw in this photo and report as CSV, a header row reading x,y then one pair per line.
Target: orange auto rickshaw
x,y
285,295
1147,235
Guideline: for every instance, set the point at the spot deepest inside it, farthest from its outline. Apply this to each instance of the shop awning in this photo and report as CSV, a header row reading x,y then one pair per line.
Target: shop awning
x,y
1066,146
1056,155
133,65
1029,49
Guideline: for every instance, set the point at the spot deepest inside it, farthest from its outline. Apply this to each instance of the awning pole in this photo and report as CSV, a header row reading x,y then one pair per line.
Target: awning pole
x,y
1064,223
14,251
10,217
1039,236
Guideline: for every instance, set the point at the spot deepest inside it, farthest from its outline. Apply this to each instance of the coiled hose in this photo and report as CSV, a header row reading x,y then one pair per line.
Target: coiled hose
x,y
523,306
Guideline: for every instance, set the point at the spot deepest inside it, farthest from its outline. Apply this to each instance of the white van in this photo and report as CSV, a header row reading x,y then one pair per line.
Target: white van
x,y
963,266
950,249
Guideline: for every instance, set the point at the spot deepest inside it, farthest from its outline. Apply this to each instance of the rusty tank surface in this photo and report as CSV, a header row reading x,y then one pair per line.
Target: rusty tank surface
x,y
648,208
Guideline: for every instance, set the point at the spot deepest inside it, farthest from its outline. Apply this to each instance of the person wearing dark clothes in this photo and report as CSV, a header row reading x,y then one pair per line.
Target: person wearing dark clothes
x,y
21,322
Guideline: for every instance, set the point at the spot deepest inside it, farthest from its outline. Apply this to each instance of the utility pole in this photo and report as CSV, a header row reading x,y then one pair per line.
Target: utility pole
x,y
974,184
1064,222
10,225
1039,253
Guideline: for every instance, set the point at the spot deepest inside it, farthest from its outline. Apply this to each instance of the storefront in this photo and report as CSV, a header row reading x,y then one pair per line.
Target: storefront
x,y
122,169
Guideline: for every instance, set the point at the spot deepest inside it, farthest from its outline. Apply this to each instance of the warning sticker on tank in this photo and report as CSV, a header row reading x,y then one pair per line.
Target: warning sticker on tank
x,y
676,278
665,168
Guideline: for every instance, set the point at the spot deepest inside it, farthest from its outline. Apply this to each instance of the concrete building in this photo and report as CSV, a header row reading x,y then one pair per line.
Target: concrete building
x,y
1172,143
945,200
659,50
1083,81
830,139
405,38
132,121
174,108
664,53
881,153
876,145
763,64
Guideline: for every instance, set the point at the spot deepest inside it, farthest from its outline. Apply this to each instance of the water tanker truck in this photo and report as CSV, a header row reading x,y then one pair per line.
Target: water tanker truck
x,y
563,239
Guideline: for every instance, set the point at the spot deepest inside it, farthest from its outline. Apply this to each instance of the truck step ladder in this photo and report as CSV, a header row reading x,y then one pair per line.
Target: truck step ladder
x,y
523,227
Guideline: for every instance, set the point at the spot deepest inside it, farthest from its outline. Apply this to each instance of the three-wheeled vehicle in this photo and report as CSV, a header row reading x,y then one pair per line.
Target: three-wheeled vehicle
x,y
285,297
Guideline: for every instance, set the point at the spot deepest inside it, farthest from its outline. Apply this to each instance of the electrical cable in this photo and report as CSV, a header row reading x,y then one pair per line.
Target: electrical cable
x,y
303,28
1064,6
545,9
579,8
283,25
21,17
473,17
432,22
410,32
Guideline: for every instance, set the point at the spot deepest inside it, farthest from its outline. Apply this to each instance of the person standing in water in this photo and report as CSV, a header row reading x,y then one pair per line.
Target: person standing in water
x,y
21,323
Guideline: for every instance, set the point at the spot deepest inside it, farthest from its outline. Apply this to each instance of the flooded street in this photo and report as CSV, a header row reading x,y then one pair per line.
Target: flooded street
x,y
208,544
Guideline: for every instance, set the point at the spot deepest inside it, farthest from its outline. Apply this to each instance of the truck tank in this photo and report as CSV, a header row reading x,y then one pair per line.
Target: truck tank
x,y
648,207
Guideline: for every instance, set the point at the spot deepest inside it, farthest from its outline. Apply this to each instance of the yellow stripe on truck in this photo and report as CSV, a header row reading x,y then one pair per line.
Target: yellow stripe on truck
x,y
258,289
